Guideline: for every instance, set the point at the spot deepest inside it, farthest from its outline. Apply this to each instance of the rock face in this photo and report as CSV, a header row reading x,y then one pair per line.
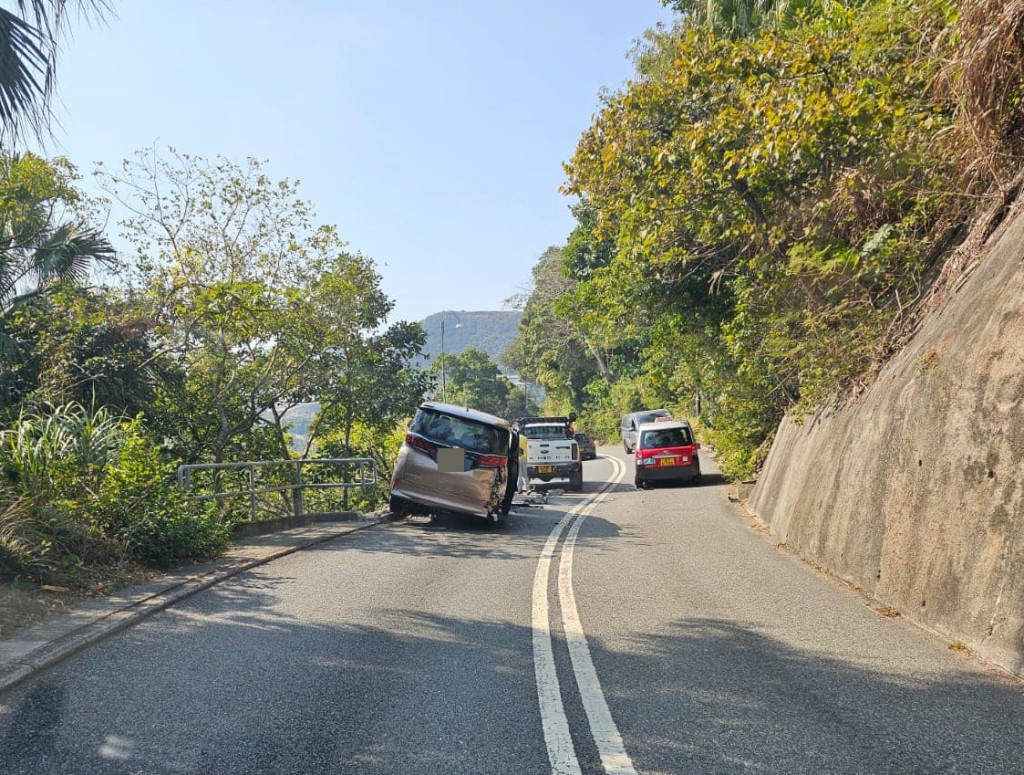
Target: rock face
x,y
915,492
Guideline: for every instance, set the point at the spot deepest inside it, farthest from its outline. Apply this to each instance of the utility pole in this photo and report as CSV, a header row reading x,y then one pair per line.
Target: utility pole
x,y
458,324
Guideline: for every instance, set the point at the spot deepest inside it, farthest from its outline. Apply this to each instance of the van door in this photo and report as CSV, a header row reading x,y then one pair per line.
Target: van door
x,y
629,432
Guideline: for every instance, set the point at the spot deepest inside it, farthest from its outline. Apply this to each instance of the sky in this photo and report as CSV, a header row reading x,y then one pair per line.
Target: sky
x,y
431,132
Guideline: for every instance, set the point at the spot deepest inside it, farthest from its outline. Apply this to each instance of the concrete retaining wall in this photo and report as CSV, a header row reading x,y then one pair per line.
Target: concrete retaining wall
x,y
915,492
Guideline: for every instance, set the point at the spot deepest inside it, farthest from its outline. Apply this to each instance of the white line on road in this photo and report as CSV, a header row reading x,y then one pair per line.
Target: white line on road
x,y
606,734
561,753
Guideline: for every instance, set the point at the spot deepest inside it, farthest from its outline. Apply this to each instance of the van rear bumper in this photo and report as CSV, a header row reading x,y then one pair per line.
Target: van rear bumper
x,y
667,473
554,470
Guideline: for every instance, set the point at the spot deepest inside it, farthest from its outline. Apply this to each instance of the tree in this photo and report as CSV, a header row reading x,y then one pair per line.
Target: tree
x,y
44,243
29,44
474,380
90,347
761,203
550,349
259,309
237,279
739,18
366,382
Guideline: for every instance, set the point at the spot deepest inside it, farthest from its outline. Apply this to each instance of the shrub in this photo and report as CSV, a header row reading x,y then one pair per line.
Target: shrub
x,y
61,453
87,488
140,507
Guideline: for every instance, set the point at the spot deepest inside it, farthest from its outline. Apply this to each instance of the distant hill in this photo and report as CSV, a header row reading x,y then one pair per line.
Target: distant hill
x,y
300,418
490,331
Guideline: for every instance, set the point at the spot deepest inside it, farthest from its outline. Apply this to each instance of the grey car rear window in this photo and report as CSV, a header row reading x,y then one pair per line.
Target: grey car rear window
x,y
460,432
651,416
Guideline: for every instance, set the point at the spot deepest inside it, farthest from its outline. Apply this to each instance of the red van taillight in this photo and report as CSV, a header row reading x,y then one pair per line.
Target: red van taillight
x,y
492,461
420,443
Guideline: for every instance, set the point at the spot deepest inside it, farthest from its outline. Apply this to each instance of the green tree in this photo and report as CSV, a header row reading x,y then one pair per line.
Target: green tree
x,y
740,18
552,349
232,269
474,380
44,243
92,347
368,385
260,310
767,203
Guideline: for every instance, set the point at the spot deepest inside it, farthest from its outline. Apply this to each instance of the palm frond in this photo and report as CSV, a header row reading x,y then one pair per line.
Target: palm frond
x,y
68,253
24,72
29,44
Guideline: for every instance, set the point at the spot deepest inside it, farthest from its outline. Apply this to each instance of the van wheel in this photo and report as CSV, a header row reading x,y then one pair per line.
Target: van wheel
x,y
397,507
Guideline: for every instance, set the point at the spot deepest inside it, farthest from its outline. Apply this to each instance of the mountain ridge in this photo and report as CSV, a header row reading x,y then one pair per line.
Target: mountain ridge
x,y
492,331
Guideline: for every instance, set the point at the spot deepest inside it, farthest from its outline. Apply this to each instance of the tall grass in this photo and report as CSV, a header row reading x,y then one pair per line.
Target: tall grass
x,y
22,543
57,453
985,74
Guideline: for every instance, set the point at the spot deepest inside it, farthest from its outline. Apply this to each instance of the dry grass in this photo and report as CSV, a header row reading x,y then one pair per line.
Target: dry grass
x,y
22,605
957,267
985,76
888,611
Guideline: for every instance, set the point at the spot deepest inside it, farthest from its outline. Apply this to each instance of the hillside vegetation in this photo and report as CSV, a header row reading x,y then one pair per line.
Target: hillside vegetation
x,y
241,312
764,210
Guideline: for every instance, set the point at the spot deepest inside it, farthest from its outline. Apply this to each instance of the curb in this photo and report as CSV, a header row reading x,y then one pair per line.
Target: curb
x,y
106,624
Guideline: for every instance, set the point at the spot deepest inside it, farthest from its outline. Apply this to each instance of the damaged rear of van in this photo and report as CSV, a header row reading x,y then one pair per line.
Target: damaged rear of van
x,y
453,459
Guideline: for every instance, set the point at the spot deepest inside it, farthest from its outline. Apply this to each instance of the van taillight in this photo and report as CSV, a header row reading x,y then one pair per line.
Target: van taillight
x,y
492,461
418,442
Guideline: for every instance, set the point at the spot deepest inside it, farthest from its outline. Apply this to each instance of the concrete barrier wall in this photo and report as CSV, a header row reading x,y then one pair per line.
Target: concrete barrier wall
x,y
915,492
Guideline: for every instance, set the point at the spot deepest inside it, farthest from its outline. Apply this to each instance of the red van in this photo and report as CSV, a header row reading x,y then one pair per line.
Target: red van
x,y
666,451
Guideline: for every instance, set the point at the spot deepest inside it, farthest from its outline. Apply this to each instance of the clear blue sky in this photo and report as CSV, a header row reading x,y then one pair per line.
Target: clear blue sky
x,y
431,133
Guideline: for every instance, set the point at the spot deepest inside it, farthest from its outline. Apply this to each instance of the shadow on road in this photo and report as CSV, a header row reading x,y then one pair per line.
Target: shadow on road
x,y
707,480
418,692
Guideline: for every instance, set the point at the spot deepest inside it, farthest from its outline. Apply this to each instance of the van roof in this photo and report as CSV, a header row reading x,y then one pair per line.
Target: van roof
x,y
466,412
660,412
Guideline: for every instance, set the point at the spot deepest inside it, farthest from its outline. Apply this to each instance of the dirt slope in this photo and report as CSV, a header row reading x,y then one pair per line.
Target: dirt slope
x,y
915,492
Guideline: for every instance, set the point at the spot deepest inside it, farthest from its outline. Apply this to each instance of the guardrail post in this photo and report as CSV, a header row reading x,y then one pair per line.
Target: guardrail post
x,y
299,506
252,493
346,467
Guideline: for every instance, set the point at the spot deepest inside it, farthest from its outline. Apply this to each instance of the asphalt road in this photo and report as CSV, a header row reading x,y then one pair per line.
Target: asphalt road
x,y
661,634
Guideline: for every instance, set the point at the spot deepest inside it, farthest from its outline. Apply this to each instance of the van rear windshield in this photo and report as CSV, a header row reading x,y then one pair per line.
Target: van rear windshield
x,y
643,417
666,437
460,432
548,432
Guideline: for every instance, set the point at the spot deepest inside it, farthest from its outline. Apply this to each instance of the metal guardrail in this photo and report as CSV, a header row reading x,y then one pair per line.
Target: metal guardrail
x,y
353,472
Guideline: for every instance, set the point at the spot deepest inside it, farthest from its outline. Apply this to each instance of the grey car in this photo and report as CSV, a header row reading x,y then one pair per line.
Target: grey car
x,y
588,449
632,421
453,459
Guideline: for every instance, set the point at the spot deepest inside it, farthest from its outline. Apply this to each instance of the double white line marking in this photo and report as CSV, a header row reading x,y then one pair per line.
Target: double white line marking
x,y
561,752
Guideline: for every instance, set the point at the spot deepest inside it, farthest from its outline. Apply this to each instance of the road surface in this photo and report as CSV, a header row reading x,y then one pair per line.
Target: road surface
x,y
615,630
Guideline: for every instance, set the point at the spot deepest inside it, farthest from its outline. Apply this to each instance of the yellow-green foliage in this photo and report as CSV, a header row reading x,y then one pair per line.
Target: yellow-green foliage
x,y
774,202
